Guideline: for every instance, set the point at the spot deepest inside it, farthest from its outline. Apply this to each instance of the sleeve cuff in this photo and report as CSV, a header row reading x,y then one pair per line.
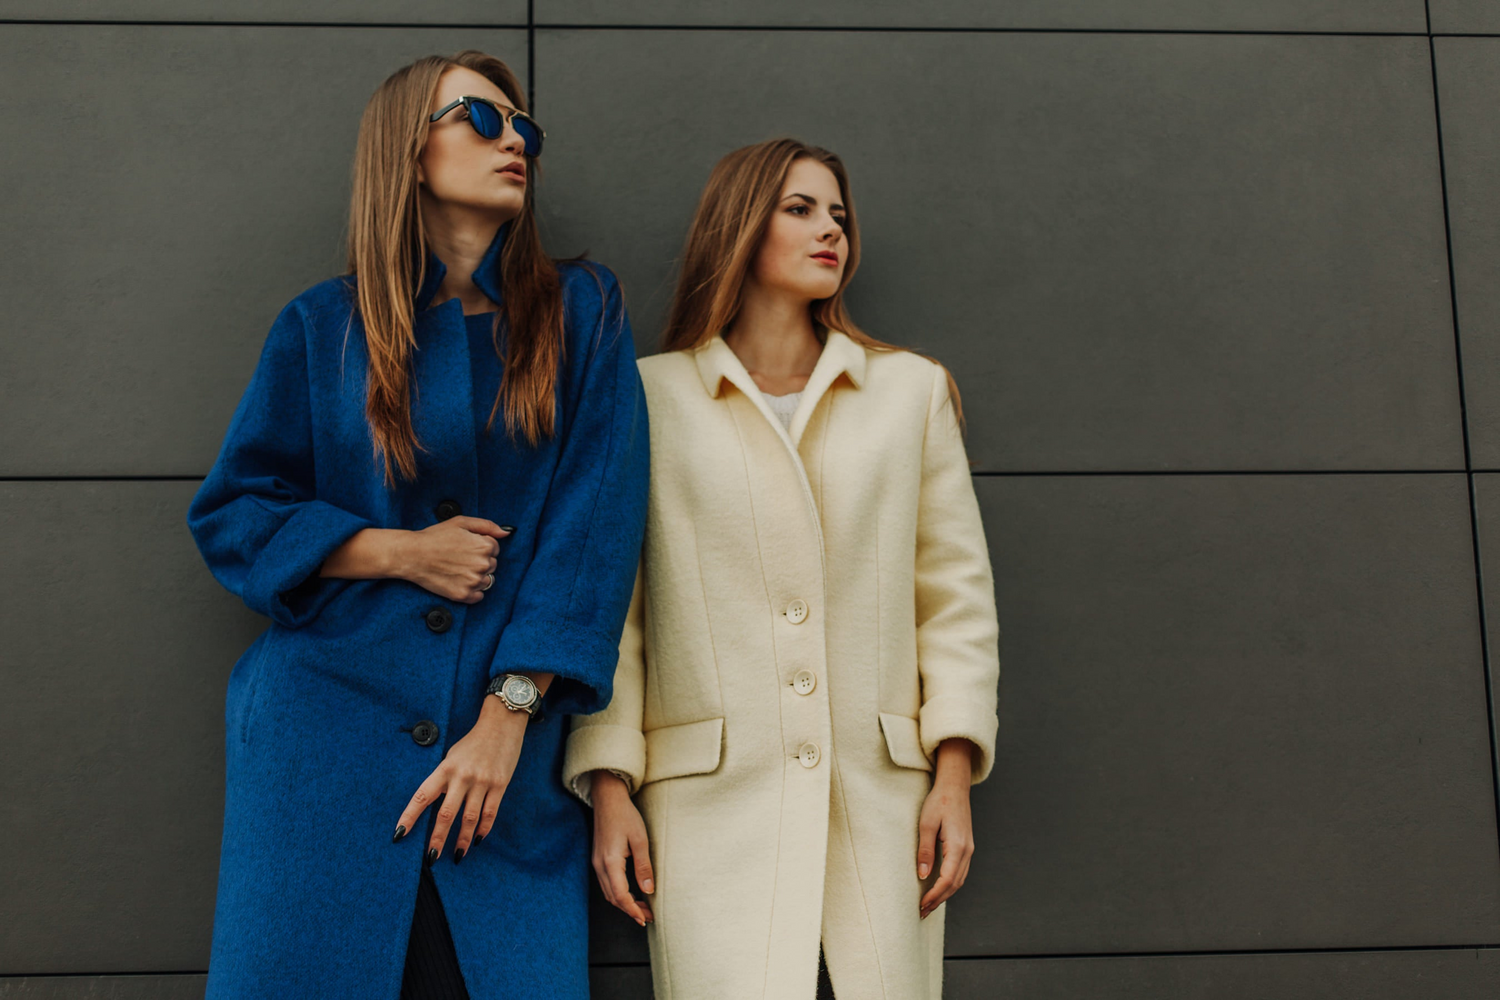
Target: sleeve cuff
x,y
603,748
581,660
283,581
948,717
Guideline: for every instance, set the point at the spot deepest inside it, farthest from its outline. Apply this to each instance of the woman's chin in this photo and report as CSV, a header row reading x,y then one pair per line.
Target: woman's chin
x,y
498,207
816,290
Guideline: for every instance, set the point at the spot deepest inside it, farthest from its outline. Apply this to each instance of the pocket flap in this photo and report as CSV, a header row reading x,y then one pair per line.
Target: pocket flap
x,y
691,748
903,738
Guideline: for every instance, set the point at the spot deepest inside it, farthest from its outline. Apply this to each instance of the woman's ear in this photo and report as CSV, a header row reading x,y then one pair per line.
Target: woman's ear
x,y
421,175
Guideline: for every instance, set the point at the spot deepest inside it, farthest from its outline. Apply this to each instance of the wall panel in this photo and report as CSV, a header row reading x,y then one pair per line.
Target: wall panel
x,y
1465,16
469,12
117,647
1148,15
1137,252
182,987
1236,713
176,188
1468,72
1395,975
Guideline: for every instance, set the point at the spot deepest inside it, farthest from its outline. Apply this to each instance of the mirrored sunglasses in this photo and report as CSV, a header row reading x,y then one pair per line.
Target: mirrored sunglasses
x,y
489,120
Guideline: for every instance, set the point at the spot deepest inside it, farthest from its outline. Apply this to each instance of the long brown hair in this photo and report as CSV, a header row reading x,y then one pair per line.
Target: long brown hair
x,y
388,255
731,220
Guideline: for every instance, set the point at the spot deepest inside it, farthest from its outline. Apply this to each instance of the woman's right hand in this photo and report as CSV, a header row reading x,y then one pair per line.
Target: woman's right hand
x,y
453,558
620,833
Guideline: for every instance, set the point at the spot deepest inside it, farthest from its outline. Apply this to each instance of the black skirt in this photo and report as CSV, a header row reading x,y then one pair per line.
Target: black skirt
x,y
825,985
432,971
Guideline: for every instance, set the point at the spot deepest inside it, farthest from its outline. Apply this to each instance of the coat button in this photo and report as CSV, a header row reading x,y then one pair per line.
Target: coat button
x,y
809,754
447,509
804,682
796,612
439,619
424,733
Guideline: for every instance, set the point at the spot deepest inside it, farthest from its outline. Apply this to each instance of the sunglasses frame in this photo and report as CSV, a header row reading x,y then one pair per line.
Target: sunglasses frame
x,y
507,115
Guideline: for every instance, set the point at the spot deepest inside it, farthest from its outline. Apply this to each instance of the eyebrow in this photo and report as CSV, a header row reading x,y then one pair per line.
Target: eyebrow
x,y
835,207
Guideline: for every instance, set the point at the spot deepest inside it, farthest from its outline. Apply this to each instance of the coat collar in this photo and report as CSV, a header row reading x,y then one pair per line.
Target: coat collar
x,y
841,356
487,276
717,362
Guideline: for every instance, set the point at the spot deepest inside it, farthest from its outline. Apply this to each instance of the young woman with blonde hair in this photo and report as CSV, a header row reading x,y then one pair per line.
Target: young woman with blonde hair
x,y
808,673
435,488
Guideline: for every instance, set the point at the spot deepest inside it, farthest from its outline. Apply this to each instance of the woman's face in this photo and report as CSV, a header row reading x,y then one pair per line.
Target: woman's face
x,y
460,167
804,249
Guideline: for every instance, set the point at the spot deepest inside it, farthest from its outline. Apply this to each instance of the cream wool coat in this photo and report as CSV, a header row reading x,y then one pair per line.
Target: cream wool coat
x,y
814,613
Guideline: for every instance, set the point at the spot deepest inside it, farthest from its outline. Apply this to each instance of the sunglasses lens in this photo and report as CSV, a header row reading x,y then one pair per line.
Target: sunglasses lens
x,y
529,134
485,119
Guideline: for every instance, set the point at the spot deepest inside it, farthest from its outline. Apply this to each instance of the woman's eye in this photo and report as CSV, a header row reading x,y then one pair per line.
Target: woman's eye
x,y
839,221
799,209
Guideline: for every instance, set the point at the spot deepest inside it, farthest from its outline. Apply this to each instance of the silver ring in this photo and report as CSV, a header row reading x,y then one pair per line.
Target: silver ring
x,y
489,581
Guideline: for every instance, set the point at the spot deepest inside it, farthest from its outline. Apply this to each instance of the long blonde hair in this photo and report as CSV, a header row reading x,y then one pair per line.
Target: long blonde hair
x,y
388,255
733,212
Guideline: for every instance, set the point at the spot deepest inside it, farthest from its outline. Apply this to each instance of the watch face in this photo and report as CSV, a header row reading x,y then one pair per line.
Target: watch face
x,y
519,691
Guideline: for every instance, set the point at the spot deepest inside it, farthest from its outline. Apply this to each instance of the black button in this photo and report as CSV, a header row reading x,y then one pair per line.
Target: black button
x,y
447,509
425,733
439,619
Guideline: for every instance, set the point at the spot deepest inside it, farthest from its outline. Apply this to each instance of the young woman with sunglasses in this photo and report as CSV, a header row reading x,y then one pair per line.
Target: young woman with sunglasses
x,y
808,675
435,488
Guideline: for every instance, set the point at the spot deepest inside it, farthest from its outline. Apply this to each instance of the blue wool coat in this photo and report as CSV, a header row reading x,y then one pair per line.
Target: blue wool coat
x,y
327,711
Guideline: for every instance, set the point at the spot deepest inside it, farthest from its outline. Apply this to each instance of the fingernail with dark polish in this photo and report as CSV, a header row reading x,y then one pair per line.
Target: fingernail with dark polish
x,y
478,840
458,855
431,855
400,832
507,527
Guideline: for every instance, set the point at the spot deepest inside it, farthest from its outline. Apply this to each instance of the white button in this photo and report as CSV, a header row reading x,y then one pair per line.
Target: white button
x,y
809,755
804,682
796,612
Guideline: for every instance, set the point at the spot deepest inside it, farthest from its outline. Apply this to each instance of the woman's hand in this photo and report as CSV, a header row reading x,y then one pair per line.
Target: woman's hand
x,y
471,781
455,558
946,818
619,832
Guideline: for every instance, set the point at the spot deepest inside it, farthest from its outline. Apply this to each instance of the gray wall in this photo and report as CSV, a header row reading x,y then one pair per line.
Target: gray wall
x,y
1220,282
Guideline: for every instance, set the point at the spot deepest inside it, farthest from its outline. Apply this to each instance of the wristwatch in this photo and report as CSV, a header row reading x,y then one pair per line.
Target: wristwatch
x,y
517,692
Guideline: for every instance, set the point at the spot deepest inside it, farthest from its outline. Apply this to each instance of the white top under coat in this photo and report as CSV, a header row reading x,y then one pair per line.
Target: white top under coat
x,y
784,406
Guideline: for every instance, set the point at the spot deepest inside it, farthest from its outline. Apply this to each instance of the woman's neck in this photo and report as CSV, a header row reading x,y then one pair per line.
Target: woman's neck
x,y
460,239
774,338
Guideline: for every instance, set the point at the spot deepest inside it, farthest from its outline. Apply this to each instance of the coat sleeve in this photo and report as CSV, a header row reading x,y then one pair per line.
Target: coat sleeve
x,y
256,518
613,740
571,604
957,628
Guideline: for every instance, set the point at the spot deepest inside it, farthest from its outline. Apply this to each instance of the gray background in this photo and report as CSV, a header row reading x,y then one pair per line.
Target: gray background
x,y
1220,283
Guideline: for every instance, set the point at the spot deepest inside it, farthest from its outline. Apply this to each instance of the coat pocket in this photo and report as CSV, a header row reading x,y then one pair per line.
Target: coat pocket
x,y
691,748
903,739
253,685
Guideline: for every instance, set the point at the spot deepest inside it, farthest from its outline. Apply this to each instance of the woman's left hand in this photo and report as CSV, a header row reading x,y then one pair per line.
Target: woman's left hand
x,y
946,819
471,780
